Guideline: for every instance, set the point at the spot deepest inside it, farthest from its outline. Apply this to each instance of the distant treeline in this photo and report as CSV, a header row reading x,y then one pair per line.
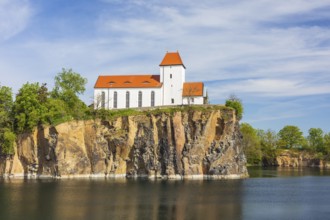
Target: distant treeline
x,y
260,145
35,104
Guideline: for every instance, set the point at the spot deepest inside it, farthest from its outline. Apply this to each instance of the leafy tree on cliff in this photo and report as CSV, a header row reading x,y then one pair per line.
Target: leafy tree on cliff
x,y
29,107
7,137
68,85
251,144
6,104
236,104
291,137
57,111
315,140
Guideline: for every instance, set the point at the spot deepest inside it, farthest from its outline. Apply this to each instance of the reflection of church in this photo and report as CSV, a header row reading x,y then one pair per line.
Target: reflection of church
x,y
132,91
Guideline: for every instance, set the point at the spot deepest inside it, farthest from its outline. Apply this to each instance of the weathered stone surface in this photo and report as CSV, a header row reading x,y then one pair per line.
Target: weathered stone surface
x,y
298,159
184,144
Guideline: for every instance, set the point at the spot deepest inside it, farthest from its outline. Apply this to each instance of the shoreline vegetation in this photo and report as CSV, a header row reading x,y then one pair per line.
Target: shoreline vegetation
x,y
288,147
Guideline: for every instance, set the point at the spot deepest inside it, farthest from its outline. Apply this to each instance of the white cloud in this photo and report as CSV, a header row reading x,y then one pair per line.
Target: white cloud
x,y
218,40
238,40
14,17
273,88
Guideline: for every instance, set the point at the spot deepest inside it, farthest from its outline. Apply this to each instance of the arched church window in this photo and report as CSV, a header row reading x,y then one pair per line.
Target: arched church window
x,y
103,100
127,99
115,99
140,99
152,98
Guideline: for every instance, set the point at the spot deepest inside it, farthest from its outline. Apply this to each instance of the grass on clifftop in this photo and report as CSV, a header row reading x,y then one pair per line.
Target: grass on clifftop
x,y
112,114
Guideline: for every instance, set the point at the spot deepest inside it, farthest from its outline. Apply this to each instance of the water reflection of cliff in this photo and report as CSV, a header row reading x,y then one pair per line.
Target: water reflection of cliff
x,y
122,199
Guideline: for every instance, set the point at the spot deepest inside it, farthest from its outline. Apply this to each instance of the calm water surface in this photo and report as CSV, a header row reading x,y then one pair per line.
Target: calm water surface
x,y
268,194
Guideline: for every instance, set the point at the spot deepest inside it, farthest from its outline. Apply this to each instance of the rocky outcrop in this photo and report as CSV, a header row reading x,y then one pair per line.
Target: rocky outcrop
x,y
287,158
203,143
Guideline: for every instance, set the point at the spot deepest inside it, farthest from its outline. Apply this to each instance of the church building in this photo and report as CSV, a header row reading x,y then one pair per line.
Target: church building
x,y
134,91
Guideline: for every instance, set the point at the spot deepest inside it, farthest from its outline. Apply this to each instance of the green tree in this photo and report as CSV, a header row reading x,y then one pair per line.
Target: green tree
x,y
7,137
68,85
251,144
43,93
29,107
268,141
291,137
69,81
7,142
326,139
236,104
269,138
315,140
6,104
57,111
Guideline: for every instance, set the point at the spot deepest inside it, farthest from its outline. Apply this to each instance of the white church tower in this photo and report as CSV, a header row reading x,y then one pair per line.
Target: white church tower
x,y
172,75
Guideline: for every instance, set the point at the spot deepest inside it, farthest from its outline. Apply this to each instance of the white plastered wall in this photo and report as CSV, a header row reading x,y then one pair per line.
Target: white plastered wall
x,y
121,97
172,86
194,100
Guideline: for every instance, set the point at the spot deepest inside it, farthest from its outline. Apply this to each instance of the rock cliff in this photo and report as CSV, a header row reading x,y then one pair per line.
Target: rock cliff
x,y
292,159
203,143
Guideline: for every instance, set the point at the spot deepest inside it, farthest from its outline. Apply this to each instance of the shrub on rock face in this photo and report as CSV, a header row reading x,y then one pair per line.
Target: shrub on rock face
x,y
7,137
7,140
236,104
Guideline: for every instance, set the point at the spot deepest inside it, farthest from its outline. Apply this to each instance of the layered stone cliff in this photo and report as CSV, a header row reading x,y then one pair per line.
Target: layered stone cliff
x,y
190,143
287,158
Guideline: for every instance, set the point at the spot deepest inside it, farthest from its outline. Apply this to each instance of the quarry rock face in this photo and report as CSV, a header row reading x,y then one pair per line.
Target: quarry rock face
x,y
181,144
303,159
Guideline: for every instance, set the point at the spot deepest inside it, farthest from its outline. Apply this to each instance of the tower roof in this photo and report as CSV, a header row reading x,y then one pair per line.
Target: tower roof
x,y
171,59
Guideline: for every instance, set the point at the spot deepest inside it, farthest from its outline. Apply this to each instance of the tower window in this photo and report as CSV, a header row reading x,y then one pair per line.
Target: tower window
x,y
172,100
171,76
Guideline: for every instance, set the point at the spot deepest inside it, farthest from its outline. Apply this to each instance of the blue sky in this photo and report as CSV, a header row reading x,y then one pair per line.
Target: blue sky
x,y
274,55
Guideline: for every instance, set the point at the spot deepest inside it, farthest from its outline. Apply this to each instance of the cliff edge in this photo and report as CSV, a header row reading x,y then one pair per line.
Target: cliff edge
x,y
204,143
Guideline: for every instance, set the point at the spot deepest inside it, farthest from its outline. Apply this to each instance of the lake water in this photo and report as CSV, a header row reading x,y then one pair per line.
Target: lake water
x,y
268,194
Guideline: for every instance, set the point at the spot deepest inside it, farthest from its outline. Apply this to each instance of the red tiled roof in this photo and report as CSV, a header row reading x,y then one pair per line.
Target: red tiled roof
x,y
128,81
193,89
172,58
